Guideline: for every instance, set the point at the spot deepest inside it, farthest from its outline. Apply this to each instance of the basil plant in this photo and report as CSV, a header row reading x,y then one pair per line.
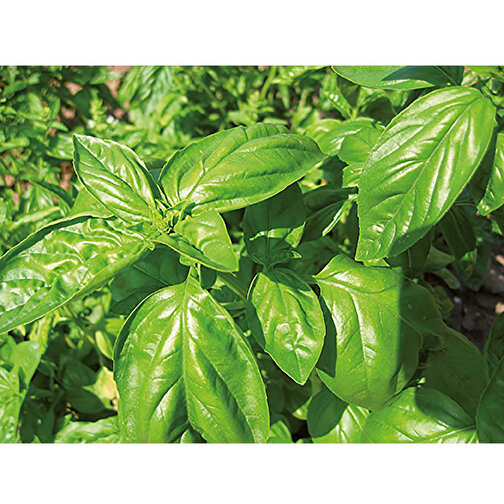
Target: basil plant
x,y
265,279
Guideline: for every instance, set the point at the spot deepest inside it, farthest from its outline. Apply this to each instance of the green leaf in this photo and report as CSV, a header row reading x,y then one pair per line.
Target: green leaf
x,y
490,414
59,262
105,430
14,382
207,233
237,167
420,415
326,206
160,268
279,430
374,330
494,193
401,77
87,205
419,166
116,177
286,320
273,228
180,361
494,346
331,420
457,229
457,370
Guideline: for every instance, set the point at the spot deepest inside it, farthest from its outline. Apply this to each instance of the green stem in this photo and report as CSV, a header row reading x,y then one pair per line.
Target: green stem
x,y
269,80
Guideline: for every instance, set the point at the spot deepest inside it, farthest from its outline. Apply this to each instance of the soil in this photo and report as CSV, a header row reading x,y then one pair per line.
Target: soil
x,y
474,312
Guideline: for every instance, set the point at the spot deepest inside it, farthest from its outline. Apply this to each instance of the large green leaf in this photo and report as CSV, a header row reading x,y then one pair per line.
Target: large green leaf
x,y
374,330
401,77
273,228
105,430
237,167
286,320
15,378
116,177
490,414
419,166
331,420
420,415
180,361
457,370
494,193
59,262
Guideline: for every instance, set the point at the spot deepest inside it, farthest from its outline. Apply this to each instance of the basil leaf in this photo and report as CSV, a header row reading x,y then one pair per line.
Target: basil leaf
x,y
494,346
494,193
61,261
420,415
160,268
182,362
207,233
273,228
405,190
374,330
87,205
116,177
14,382
457,229
286,320
326,206
402,77
238,167
457,370
105,430
331,420
490,414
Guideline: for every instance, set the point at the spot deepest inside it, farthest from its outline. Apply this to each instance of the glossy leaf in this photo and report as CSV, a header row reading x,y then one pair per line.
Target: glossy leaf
x,y
237,167
419,166
207,233
326,206
494,193
420,415
116,177
59,262
180,361
273,228
331,420
401,77
105,430
490,414
14,381
374,330
286,320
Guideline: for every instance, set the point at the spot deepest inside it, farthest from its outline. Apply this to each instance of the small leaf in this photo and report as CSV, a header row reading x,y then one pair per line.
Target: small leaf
x,y
116,177
286,320
105,430
273,228
494,193
331,420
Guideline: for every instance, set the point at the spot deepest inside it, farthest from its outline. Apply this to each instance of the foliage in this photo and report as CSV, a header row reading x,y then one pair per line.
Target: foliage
x,y
241,254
